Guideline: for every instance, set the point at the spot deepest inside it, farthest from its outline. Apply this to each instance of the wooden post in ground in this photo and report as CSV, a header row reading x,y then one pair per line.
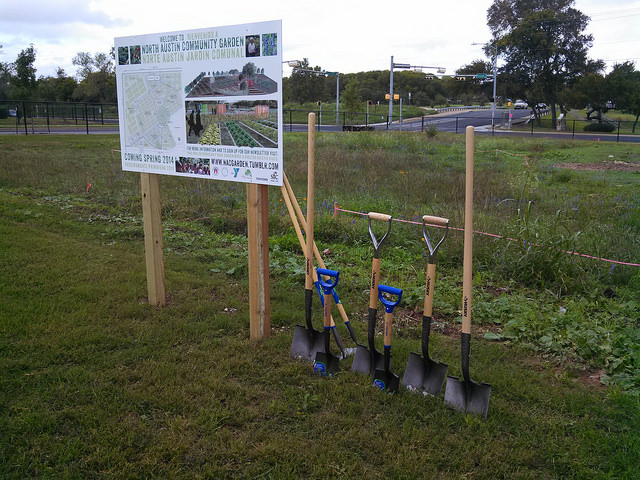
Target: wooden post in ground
x,y
258,238
152,218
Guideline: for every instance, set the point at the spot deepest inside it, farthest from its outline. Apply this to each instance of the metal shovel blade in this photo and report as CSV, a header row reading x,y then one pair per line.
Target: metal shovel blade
x,y
362,361
386,381
467,396
326,364
306,343
425,375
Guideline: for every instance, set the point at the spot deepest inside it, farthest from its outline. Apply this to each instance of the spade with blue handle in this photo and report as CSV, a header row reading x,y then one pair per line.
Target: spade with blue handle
x,y
385,379
326,363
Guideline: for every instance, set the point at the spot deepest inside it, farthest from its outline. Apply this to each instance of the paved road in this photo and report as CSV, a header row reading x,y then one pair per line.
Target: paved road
x,y
453,122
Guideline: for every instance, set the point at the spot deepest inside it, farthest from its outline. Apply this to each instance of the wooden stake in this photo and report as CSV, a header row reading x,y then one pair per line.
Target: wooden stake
x,y
152,219
258,238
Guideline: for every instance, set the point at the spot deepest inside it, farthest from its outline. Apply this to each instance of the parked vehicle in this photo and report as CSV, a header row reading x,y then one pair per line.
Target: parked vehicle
x,y
520,104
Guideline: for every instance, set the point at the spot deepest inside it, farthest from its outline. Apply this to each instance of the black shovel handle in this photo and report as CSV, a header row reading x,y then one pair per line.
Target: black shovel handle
x,y
428,308
465,343
426,331
308,297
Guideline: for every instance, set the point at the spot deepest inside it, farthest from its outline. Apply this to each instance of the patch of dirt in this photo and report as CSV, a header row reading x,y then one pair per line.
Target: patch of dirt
x,y
604,165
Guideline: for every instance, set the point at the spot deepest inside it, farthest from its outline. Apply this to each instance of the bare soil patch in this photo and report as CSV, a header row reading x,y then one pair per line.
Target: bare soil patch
x,y
605,165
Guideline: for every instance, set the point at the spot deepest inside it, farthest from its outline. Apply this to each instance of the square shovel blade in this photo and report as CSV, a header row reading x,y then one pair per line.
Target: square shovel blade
x,y
424,375
326,364
386,381
306,343
362,361
467,396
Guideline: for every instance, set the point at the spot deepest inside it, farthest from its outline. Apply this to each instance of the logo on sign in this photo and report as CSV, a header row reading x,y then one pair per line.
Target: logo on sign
x,y
235,172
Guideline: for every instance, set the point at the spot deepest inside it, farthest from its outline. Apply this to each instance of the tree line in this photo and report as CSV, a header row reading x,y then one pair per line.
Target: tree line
x,y
541,44
94,81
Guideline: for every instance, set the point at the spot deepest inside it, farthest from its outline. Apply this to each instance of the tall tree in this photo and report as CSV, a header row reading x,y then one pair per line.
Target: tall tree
x,y
624,87
590,91
306,86
96,76
351,98
23,82
543,44
5,75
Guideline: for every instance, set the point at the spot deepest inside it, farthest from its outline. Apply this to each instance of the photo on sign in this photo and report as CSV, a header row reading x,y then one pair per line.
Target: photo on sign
x,y
252,43
193,166
249,80
241,124
123,55
269,44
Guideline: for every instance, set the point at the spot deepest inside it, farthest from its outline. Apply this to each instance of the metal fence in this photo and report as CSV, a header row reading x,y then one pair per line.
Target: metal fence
x,y
28,117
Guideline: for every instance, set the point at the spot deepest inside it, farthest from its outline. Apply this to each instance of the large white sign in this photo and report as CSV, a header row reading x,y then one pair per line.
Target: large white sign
x,y
203,103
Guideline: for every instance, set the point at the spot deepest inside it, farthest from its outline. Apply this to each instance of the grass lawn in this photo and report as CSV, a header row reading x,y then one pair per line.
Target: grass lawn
x,y
96,383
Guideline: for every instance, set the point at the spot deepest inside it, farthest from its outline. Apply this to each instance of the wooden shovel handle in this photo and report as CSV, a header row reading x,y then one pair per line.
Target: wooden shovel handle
x,y
388,325
467,273
435,220
310,200
428,292
373,286
328,321
379,216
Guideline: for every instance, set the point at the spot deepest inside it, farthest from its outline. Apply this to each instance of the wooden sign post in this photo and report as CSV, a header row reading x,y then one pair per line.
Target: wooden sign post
x,y
258,238
152,219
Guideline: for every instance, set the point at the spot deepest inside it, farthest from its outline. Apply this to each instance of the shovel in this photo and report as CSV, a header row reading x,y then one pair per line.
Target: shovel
x,y
423,373
366,360
301,239
326,364
307,341
385,380
296,216
466,395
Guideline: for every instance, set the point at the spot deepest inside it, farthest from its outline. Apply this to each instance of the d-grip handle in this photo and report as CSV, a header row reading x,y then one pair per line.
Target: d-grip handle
x,y
389,305
377,244
440,221
328,286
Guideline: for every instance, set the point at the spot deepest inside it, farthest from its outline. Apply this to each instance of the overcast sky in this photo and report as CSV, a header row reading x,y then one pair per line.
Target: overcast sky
x,y
346,36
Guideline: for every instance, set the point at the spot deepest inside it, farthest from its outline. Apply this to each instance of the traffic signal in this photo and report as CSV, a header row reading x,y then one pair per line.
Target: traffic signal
x,y
460,78
429,77
319,103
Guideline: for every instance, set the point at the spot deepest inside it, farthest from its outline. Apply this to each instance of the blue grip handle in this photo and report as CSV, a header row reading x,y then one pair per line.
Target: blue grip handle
x,y
328,286
389,305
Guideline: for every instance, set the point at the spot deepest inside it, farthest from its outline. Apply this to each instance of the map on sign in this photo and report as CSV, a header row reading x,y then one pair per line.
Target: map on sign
x,y
151,100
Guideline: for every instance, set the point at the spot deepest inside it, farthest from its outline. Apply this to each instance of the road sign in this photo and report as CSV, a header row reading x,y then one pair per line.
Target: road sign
x,y
481,75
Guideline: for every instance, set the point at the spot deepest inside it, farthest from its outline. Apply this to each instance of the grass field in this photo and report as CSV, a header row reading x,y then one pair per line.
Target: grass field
x,y
96,383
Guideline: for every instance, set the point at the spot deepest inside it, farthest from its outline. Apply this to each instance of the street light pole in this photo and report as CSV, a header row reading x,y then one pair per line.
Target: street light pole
x,y
390,121
495,78
405,66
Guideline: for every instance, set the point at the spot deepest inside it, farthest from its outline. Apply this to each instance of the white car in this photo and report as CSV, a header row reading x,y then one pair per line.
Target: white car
x,y
520,104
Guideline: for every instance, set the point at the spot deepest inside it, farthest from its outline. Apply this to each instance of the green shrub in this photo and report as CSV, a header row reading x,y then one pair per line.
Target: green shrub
x,y
4,111
600,127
